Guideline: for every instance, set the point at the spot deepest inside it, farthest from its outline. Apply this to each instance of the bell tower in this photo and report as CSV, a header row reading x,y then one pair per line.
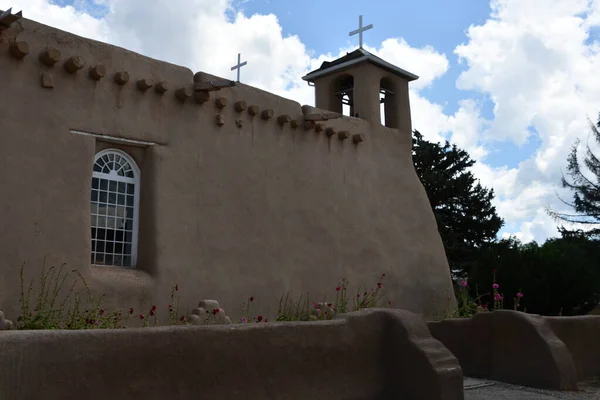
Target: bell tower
x,y
363,82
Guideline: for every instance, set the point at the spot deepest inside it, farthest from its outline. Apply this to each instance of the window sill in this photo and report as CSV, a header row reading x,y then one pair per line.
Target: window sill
x,y
122,276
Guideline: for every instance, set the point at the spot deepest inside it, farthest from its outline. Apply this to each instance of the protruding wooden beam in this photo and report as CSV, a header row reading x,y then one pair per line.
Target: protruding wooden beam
x,y
343,135
74,64
161,87
183,93
50,56
284,119
201,97
253,110
358,137
19,50
267,114
221,102
240,106
145,84
97,72
121,78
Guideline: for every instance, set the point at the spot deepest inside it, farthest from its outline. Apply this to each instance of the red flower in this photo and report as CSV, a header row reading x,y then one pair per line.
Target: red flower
x,y
170,307
177,287
382,275
338,288
251,298
215,311
141,316
101,312
131,311
357,295
378,285
182,318
259,318
266,320
329,304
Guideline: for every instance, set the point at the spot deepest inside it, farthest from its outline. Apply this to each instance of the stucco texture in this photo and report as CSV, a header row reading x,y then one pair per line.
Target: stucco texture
x,y
249,208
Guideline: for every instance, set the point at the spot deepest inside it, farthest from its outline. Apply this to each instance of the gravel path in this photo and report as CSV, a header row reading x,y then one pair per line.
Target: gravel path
x,y
476,389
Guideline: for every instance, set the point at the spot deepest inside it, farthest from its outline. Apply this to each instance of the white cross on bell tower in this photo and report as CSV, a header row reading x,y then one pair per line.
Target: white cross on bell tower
x,y
360,31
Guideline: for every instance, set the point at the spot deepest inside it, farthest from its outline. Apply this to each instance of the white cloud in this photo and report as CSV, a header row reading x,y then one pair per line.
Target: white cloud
x,y
534,60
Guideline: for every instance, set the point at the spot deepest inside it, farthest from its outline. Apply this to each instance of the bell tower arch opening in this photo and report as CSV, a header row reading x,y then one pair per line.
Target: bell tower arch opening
x,y
344,92
388,104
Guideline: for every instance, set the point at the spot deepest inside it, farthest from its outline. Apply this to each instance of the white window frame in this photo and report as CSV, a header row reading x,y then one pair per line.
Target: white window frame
x,y
136,180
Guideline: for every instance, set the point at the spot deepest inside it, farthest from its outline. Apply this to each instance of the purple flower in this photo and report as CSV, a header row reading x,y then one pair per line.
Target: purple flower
x,y
495,286
519,294
463,283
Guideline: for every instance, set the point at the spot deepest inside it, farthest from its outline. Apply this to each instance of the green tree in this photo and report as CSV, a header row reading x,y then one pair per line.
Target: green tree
x,y
560,277
463,208
585,185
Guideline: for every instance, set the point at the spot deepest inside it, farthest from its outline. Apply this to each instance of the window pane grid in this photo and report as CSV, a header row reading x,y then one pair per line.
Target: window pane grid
x,y
113,211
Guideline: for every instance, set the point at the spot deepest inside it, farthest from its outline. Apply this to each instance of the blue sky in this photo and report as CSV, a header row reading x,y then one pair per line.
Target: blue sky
x,y
510,81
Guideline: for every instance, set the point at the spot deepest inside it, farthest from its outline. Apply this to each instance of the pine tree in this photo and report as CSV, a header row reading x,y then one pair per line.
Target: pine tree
x,y
463,208
585,187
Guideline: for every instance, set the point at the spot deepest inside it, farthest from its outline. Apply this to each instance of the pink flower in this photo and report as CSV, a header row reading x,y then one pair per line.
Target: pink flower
x,y
498,297
463,283
244,320
495,286
519,294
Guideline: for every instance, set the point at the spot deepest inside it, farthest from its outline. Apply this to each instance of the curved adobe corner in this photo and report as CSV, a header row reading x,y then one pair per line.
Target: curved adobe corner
x,y
527,352
415,365
509,346
581,335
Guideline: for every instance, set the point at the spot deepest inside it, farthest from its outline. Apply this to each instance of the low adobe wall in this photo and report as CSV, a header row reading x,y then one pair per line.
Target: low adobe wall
x,y
509,346
371,354
581,335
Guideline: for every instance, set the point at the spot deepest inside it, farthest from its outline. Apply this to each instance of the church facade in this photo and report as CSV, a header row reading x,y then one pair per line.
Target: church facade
x,y
142,175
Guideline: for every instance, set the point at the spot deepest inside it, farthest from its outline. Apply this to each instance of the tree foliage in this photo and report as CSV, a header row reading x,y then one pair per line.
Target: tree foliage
x,y
463,208
560,277
584,183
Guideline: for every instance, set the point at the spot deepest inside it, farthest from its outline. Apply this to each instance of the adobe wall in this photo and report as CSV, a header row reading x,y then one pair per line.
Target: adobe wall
x,y
519,348
581,335
354,358
246,208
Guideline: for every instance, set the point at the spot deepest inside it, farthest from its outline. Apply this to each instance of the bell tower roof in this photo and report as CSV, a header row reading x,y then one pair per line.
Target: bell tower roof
x,y
354,58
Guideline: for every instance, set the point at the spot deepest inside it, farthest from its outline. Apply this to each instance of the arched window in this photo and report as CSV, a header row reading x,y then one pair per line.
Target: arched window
x,y
115,203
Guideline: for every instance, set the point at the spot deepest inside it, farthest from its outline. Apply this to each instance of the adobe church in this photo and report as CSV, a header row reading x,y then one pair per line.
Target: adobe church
x,y
142,175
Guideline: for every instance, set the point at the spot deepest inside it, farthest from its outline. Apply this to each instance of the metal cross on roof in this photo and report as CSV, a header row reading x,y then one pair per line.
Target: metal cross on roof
x,y
239,66
360,31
